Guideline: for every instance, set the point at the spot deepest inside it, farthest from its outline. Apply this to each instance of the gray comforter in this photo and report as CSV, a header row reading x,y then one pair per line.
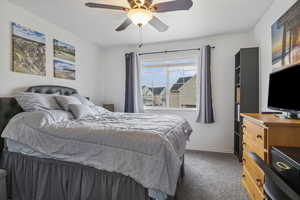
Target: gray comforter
x,y
145,147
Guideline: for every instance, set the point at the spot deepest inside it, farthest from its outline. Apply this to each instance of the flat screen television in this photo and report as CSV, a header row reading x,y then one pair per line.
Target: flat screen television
x,y
284,90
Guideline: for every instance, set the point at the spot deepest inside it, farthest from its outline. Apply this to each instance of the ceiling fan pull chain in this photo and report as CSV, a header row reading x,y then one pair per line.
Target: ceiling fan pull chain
x,y
141,36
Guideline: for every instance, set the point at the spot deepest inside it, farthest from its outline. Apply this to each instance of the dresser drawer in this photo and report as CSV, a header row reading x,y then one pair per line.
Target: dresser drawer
x,y
255,172
255,132
249,185
251,146
260,133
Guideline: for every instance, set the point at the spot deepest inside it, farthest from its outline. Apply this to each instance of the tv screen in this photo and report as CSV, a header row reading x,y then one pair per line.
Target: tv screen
x,y
284,89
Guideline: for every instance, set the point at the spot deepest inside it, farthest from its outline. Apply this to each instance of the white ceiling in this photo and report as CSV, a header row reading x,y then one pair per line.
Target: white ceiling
x,y
207,17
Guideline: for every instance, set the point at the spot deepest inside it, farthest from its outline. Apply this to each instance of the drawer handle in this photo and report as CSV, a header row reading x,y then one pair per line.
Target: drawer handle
x,y
244,161
259,183
243,176
259,137
244,145
282,165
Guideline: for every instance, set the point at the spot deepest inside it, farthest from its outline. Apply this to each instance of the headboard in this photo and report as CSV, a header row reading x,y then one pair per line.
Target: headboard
x,y
9,107
52,89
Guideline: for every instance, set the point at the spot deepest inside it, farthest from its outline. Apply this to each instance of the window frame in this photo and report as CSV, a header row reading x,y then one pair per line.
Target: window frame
x,y
166,58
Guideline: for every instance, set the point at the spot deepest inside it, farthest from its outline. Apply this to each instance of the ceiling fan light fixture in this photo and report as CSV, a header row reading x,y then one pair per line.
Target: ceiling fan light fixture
x,y
140,16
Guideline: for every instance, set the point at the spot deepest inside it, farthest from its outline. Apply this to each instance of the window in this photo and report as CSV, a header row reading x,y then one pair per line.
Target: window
x,y
169,84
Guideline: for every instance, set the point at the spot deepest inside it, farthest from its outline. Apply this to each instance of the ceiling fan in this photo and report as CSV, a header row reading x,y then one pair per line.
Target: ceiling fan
x,y
142,12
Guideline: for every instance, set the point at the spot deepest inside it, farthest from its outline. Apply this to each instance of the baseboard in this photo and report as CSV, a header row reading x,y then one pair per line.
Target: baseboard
x,y
211,150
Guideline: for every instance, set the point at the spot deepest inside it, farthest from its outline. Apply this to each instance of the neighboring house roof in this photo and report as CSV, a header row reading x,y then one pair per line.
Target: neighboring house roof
x,y
157,90
144,87
154,91
180,82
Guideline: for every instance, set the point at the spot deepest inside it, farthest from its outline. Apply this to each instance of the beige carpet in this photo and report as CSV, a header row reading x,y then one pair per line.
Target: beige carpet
x,y
211,176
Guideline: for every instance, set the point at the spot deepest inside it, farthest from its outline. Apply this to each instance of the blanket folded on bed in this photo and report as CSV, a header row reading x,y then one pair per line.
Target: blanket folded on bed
x,y
146,147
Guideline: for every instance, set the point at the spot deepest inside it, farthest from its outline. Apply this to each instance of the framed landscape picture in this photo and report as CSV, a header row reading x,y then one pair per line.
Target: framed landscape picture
x,y
64,51
286,38
29,51
64,70
64,60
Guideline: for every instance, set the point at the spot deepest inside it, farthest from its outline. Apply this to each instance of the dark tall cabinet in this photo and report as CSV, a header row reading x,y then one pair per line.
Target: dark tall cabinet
x,y
246,91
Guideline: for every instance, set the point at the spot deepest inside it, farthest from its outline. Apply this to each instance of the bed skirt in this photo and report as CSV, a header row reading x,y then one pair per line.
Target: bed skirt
x,y
31,178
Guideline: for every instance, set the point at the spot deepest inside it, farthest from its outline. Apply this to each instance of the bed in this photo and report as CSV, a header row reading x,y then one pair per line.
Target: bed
x,y
114,156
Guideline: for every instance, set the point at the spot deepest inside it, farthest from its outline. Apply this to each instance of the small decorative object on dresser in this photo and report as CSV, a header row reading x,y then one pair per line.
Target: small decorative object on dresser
x,y
260,133
3,191
110,107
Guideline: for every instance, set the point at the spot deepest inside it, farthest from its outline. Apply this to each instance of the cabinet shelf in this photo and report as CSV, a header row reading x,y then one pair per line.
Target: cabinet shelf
x,y
246,98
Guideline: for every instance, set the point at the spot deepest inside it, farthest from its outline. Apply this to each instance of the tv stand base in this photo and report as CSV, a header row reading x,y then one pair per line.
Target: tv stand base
x,y
289,116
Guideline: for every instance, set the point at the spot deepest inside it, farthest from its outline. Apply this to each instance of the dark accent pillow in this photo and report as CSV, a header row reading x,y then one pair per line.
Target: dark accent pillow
x,y
83,100
65,101
81,111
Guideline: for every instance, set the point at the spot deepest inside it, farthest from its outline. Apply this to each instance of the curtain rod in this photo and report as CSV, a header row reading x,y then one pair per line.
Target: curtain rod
x,y
172,51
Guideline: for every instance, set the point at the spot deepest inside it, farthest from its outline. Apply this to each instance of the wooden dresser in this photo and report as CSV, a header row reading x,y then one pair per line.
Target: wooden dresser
x,y
260,133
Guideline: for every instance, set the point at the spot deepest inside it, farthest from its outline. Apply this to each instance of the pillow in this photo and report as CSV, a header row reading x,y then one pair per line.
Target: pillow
x,y
30,101
83,100
41,119
37,119
81,111
64,101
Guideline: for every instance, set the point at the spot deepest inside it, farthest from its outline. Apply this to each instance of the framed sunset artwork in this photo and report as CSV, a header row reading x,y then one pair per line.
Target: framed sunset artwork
x,y
286,38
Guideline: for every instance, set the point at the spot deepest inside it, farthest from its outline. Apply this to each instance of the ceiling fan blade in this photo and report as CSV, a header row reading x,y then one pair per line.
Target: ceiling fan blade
x,y
158,24
124,25
173,6
97,5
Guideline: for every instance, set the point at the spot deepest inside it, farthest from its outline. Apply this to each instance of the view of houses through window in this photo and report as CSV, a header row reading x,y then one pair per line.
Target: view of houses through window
x,y
169,84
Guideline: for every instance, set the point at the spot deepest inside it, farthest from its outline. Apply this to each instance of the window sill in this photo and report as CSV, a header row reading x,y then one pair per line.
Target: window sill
x,y
170,109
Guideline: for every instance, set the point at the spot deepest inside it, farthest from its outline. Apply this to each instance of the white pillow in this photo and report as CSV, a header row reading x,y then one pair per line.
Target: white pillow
x,y
81,111
30,101
98,110
64,101
83,100
39,119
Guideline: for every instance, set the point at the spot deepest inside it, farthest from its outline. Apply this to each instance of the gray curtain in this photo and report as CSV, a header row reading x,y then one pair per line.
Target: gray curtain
x,y
133,90
205,105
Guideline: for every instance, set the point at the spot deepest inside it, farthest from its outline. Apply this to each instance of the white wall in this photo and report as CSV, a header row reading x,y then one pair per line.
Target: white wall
x,y
214,137
101,72
88,56
263,37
